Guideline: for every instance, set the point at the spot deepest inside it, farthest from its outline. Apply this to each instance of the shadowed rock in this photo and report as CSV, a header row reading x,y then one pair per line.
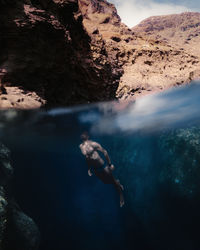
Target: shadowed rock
x,y
17,230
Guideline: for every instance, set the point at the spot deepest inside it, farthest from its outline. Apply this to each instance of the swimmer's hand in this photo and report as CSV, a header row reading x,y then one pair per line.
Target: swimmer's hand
x,y
111,166
89,173
122,203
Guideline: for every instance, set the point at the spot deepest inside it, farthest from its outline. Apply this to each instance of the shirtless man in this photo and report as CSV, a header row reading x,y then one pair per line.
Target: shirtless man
x,y
95,164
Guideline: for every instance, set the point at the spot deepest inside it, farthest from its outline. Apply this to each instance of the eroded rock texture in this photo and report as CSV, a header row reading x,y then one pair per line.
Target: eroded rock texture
x,y
44,48
65,52
182,151
17,230
147,62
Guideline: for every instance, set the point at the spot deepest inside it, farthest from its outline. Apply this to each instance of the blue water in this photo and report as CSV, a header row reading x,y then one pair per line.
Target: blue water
x,y
155,147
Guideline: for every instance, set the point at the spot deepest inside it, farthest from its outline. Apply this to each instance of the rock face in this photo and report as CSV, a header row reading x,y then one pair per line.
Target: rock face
x,y
44,48
17,230
65,52
180,35
179,30
148,63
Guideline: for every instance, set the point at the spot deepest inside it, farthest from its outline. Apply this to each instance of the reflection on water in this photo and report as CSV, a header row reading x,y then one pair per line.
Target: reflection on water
x,y
155,147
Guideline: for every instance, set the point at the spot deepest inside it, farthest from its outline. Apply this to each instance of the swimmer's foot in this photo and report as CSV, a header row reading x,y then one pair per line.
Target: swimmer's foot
x,y
121,203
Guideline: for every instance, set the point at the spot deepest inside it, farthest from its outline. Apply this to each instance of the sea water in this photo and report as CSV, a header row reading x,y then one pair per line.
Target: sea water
x,y
154,144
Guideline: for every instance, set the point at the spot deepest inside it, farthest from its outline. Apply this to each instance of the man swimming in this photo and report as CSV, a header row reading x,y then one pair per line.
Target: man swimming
x,y
95,164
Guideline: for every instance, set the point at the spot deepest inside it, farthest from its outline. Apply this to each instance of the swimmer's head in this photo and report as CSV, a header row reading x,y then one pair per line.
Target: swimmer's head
x,y
84,136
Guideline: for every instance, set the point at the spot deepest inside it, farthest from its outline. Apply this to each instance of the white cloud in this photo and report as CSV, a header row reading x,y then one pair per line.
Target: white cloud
x,y
133,12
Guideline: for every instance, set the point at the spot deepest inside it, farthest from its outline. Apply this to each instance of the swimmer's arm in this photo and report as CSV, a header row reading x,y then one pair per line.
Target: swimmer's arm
x,y
85,153
89,171
102,150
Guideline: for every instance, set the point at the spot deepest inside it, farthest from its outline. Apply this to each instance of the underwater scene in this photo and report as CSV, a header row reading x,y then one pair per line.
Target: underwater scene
x,y
154,144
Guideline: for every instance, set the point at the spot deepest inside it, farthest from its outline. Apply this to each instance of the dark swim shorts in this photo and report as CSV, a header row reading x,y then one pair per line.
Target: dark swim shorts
x,y
104,174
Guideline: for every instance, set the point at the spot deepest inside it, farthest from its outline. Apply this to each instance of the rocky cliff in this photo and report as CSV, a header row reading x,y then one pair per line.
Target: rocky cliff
x,y
46,54
17,230
179,30
148,62
65,52
180,33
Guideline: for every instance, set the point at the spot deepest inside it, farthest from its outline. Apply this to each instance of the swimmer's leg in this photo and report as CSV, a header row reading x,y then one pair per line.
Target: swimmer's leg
x,y
108,178
122,187
119,189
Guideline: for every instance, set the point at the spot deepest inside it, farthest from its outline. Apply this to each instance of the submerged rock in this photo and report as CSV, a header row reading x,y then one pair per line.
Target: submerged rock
x,y
17,230
181,159
22,232
3,214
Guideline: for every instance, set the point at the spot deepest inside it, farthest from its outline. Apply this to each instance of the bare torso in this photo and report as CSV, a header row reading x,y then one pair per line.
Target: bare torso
x,y
89,150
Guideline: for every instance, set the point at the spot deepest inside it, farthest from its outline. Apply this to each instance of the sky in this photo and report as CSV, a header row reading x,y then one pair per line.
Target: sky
x,y
134,11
